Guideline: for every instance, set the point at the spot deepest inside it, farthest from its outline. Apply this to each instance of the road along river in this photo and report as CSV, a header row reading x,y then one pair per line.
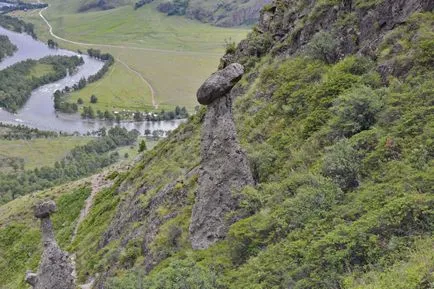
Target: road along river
x,y
39,111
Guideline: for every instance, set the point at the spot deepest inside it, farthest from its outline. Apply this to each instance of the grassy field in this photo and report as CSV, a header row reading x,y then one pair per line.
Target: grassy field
x,y
174,54
117,91
132,151
45,152
40,70
40,152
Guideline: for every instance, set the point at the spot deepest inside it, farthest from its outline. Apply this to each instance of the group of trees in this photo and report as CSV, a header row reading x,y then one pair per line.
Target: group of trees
x,y
175,7
18,80
141,3
7,48
52,44
14,132
177,113
60,102
81,161
17,25
22,6
108,59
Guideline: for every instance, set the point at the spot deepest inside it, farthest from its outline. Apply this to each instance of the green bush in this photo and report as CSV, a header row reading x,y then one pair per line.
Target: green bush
x,y
341,164
323,47
356,111
181,274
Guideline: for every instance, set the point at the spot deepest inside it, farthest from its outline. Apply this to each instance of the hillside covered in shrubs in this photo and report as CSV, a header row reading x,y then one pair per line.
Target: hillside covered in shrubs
x,y
335,114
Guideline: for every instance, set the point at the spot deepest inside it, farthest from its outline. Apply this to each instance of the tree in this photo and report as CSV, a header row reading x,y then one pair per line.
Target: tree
x,y
138,116
323,46
142,146
52,44
93,99
80,101
356,111
109,116
341,164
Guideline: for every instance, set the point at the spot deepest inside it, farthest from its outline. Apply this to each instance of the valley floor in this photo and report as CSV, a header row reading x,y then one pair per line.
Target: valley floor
x,y
165,58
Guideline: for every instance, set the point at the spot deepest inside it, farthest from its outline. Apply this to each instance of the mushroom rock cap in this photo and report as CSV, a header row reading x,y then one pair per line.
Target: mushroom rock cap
x,y
219,83
44,209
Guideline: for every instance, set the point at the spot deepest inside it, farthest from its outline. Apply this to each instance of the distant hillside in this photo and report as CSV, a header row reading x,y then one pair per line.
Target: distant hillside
x,y
101,4
221,13
225,13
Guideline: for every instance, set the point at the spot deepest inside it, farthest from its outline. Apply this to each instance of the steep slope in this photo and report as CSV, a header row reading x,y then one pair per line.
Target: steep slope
x,y
226,13
335,114
221,13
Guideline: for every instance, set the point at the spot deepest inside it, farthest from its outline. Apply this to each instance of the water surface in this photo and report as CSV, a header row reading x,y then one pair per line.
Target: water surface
x,y
39,111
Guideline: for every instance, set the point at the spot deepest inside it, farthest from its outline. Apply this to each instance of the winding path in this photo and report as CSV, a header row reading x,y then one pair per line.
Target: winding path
x,y
120,46
145,81
98,183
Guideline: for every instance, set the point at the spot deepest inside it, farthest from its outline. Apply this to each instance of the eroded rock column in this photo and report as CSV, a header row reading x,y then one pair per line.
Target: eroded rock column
x,y
55,270
224,169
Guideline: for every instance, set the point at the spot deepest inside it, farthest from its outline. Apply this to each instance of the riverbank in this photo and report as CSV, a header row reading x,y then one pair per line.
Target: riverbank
x,y
38,112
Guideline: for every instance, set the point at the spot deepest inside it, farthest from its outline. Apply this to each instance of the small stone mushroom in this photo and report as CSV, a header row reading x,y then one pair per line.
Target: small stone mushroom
x,y
219,83
31,278
45,209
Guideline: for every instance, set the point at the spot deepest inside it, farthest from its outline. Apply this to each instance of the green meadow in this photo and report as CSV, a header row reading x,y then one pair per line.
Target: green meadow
x,y
40,152
173,54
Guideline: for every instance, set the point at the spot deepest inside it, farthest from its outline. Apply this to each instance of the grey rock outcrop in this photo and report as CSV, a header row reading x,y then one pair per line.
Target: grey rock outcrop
x,y
224,168
284,31
55,270
219,83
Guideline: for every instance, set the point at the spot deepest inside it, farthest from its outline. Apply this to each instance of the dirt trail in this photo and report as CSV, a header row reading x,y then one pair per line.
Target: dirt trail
x,y
145,81
122,46
98,183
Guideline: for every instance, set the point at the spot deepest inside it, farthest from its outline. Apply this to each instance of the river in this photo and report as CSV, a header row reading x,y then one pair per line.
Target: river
x,y
39,111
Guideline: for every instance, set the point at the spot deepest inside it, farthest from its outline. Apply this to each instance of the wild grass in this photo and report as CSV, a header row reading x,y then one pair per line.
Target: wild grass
x,y
40,69
40,152
183,53
117,91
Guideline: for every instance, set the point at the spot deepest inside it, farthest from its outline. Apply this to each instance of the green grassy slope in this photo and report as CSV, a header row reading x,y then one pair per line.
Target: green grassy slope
x,y
344,165
20,238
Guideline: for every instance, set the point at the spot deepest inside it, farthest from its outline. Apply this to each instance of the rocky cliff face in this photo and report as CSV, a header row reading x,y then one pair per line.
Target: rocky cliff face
x,y
225,13
55,270
224,168
287,26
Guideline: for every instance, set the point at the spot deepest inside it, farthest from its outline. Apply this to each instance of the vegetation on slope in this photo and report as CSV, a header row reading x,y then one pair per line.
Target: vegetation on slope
x,y
344,166
17,25
7,48
223,13
80,162
20,237
343,160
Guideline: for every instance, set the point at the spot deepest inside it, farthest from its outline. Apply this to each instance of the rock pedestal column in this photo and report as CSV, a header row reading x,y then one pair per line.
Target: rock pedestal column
x,y
55,270
224,169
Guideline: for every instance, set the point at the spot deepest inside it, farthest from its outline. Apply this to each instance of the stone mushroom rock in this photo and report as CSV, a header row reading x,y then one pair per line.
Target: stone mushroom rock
x,y
224,168
45,209
55,270
219,83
